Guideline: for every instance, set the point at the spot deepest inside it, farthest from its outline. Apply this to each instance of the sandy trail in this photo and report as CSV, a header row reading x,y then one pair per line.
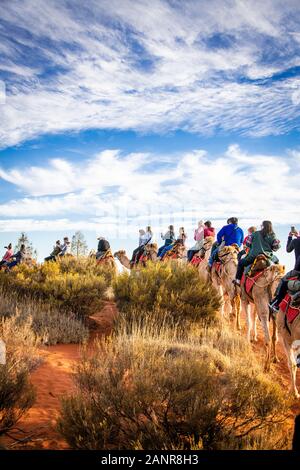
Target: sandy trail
x,y
53,379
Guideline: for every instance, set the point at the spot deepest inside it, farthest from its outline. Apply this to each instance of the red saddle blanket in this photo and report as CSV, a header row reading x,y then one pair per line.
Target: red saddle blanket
x,y
196,260
248,282
217,265
291,312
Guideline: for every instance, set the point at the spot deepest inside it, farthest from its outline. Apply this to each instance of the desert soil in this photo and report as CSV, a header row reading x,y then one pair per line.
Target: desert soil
x,y
53,380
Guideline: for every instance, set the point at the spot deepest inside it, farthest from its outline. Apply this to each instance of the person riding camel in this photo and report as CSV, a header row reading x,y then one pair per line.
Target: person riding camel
x,y
198,237
169,238
55,252
8,254
262,242
247,242
145,237
230,234
17,258
182,235
103,247
282,289
65,248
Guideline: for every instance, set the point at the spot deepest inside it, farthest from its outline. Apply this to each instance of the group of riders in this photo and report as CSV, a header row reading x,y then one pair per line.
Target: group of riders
x,y
256,243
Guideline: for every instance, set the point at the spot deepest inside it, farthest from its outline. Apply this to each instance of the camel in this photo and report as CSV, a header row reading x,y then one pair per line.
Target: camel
x,y
108,260
204,254
150,254
257,305
222,281
177,253
290,335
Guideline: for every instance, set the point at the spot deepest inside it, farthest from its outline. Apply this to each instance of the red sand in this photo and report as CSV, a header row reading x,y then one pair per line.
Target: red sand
x,y
53,379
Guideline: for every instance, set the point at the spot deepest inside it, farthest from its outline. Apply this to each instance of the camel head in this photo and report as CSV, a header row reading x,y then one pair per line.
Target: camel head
x,y
228,253
151,250
207,244
120,254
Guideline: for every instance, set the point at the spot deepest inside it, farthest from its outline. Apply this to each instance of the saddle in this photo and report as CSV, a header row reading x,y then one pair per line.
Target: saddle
x,y
260,263
290,310
248,282
197,259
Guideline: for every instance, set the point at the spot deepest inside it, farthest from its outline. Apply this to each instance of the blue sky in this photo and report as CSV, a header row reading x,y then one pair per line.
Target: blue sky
x,y
117,114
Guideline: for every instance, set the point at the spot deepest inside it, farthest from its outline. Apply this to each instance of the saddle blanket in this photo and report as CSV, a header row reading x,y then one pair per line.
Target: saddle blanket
x,y
248,282
291,312
196,260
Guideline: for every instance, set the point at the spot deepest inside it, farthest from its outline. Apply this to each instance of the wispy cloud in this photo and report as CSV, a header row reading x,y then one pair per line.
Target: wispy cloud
x,y
148,66
115,189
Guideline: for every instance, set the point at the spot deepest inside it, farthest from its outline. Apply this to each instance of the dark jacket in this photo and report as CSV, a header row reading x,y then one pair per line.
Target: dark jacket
x,y
103,245
19,256
262,245
294,245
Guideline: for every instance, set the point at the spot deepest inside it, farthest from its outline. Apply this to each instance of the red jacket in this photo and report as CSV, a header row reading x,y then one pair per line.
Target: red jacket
x,y
209,232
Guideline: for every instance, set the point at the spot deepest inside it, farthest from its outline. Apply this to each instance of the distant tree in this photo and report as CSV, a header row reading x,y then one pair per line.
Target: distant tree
x,y
24,240
79,246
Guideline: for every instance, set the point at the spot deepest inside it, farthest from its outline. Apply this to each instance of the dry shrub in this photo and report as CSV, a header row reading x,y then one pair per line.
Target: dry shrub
x,y
75,285
47,323
150,390
169,290
16,393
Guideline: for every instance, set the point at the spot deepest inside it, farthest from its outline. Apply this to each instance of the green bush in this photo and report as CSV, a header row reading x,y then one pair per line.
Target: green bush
x,y
171,289
150,391
70,284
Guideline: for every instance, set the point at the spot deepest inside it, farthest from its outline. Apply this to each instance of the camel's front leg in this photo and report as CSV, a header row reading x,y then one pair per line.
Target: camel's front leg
x,y
274,340
237,301
246,308
292,366
254,322
265,326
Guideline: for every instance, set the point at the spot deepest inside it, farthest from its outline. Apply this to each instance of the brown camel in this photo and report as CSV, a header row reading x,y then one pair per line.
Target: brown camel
x,y
204,254
150,254
257,304
290,334
108,260
222,281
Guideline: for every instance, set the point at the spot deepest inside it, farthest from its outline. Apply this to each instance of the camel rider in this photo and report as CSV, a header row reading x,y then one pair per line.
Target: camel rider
x,y
228,235
65,248
170,247
293,243
144,238
55,252
247,242
282,289
18,257
8,254
263,242
208,231
103,247
169,238
182,235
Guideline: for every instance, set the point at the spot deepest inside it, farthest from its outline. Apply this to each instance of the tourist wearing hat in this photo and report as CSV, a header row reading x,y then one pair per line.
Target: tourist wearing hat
x,y
103,246
65,248
56,251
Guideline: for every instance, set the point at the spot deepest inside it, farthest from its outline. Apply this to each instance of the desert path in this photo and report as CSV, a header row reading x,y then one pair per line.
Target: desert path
x,y
52,380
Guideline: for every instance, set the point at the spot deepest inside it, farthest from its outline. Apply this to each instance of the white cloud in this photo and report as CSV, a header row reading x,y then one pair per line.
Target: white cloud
x,y
96,51
117,190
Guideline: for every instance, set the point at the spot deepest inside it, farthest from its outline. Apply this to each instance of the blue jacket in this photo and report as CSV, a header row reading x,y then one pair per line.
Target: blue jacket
x,y
231,234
